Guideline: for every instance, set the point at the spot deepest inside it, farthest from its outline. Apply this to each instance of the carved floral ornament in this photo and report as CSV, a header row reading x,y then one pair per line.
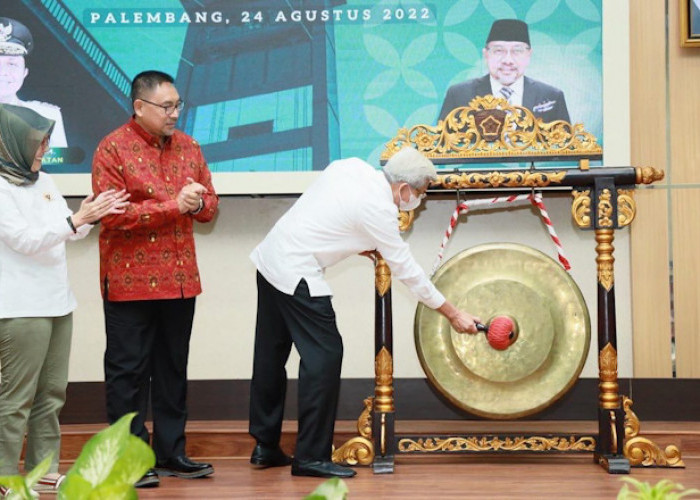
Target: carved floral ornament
x,y
489,127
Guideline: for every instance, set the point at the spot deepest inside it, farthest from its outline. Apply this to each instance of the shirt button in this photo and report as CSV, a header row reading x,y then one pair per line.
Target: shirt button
x,y
128,265
150,190
152,237
167,178
154,282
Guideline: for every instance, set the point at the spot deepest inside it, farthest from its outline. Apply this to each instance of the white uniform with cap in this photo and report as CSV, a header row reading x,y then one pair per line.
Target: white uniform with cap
x,y
16,40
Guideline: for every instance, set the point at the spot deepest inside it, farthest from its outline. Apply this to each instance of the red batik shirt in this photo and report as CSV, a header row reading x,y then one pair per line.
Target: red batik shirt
x,y
148,252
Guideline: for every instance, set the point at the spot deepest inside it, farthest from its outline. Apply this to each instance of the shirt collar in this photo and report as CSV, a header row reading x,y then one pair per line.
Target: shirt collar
x,y
150,139
517,86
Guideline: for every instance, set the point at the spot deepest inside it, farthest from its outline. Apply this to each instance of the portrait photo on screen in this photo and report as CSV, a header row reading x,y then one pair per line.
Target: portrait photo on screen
x,y
271,86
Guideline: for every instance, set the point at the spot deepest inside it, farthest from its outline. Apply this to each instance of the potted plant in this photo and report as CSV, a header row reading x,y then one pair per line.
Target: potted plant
x,y
108,466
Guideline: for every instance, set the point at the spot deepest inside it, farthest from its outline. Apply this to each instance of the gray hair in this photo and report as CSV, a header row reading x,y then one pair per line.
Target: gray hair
x,y
410,166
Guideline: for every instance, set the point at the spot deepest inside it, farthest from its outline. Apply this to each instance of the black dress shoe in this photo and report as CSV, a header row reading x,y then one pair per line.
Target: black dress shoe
x,y
320,468
183,467
149,480
269,457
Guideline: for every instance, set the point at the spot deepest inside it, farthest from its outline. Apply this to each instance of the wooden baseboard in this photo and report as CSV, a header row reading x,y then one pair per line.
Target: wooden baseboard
x,y
230,439
415,399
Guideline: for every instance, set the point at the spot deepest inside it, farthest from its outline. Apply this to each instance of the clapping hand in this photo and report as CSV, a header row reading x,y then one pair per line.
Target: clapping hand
x,y
190,196
94,208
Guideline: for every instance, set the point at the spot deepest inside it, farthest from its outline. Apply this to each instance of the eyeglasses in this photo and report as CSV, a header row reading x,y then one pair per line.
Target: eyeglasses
x,y
500,52
168,108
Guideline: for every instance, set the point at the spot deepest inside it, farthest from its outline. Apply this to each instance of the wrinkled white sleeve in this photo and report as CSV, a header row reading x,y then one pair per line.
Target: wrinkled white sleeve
x,y
380,222
21,236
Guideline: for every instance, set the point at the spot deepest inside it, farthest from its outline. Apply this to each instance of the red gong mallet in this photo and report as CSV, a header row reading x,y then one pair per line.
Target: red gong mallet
x,y
501,332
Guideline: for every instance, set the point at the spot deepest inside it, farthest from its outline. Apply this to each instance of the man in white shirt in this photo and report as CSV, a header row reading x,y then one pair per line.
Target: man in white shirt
x,y
351,208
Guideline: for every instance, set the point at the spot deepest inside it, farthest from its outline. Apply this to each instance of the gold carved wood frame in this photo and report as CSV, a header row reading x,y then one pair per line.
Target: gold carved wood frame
x,y
489,129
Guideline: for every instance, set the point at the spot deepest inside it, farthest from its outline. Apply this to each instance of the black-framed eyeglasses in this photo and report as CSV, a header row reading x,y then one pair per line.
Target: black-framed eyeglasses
x,y
168,108
516,52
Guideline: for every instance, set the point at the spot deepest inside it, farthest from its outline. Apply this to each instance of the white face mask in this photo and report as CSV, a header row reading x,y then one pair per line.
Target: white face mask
x,y
412,203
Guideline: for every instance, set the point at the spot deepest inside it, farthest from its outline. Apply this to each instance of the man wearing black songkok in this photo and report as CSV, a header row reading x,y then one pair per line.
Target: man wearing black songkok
x,y
507,54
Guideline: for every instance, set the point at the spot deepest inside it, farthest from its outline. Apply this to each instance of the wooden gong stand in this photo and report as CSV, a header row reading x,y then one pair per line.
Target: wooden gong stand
x,y
490,129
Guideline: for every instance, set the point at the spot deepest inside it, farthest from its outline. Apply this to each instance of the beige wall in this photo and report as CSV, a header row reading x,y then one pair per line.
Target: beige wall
x,y
222,343
664,123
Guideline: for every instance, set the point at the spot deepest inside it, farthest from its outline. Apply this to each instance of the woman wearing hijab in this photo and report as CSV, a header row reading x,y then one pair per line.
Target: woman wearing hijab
x,y
36,302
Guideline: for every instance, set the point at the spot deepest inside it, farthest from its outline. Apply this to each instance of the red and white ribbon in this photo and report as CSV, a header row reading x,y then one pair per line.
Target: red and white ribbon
x,y
464,207
539,203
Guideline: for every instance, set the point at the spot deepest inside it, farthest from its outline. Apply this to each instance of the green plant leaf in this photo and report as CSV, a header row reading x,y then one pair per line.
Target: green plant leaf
x,y
38,472
114,492
137,457
74,487
665,489
332,489
107,468
624,493
102,450
20,490
109,465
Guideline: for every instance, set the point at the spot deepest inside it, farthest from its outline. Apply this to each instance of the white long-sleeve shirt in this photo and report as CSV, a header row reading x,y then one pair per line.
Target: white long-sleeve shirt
x,y
33,268
347,210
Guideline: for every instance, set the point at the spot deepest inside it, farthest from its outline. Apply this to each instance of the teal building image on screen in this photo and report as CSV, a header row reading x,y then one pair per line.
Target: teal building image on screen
x,y
274,86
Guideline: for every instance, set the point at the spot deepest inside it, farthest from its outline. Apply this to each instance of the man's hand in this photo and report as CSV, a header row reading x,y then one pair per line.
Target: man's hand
x,y
461,321
370,254
189,197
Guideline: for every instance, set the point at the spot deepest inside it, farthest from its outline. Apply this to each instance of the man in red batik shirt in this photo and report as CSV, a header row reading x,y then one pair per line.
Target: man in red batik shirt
x,y
148,268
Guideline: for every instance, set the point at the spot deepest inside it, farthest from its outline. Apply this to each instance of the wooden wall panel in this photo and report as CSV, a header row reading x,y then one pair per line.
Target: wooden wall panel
x,y
648,237
684,93
684,124
686,241
651,311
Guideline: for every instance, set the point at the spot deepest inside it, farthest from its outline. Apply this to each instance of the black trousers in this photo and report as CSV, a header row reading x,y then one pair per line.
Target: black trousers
x,y
309,323
146,359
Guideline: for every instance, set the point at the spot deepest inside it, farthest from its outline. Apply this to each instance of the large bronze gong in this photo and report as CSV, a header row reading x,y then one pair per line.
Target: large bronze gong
x,y
552,322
